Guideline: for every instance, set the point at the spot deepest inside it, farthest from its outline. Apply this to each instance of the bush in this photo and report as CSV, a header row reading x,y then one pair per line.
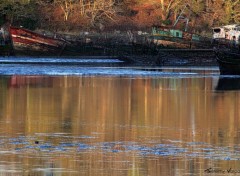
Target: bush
x,y
167,22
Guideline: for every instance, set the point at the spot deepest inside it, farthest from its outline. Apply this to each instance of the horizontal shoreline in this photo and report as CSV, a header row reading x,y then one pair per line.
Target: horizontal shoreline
x,y
73,57
116,61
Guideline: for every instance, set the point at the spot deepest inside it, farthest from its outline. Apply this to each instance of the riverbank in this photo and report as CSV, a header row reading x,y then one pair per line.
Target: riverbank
x,y
130,47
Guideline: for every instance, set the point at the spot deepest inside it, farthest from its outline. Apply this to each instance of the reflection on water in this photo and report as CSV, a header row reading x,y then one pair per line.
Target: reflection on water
x,y
228,83
94,125
91,66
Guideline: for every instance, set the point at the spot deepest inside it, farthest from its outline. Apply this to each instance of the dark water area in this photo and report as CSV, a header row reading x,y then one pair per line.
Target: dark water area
x,y
77,119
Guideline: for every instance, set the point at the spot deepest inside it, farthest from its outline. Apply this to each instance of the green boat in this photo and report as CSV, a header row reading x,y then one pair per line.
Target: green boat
x,y
174,38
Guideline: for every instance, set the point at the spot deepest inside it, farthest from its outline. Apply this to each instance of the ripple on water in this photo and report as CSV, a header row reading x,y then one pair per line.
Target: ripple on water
x,y
191,150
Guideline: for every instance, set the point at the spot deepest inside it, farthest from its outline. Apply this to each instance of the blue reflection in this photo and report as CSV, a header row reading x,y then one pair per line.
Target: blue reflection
x,y
188,149
29,60
94,67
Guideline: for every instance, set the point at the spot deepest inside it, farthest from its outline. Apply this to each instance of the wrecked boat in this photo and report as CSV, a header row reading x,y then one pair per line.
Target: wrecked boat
x,y
29,43
228,60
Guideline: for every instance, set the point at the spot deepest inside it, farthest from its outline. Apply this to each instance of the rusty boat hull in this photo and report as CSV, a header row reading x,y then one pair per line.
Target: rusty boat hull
x,y
29,43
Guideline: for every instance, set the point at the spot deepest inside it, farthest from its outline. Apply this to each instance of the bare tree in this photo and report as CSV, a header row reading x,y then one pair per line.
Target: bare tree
x,y
100,11
66,6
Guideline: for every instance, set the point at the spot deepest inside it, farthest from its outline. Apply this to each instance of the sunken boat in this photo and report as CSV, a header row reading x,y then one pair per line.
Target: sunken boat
x,y
29,43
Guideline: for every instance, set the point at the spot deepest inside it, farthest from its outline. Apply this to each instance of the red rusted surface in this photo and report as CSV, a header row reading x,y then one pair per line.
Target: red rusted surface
x,y
26,40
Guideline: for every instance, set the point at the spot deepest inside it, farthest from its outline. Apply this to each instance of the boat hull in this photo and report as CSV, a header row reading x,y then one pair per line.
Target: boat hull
x,y
229,62
28,43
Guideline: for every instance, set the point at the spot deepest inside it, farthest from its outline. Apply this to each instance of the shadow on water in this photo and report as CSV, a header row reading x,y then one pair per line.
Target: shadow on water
x,y
228,83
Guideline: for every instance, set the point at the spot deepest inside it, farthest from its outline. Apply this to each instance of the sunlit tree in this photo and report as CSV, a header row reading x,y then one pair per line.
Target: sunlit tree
x,y
66,6
232,11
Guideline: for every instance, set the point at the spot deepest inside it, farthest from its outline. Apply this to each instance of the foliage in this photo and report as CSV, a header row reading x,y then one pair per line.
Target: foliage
x,y
97,14
20,12
167,22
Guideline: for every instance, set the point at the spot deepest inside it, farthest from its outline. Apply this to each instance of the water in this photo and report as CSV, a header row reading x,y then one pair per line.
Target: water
x,y
104,119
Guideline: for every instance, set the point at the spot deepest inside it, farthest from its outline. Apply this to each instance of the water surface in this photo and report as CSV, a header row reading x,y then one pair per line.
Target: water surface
x,y
114,120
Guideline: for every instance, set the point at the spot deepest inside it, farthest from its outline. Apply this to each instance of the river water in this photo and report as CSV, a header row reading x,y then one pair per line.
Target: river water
x,y
102,118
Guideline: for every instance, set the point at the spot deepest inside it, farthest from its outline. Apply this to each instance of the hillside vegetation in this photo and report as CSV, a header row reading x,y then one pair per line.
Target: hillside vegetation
x,y
101,15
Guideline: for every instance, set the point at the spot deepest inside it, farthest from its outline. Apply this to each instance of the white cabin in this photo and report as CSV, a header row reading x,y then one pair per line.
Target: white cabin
x,y
230,32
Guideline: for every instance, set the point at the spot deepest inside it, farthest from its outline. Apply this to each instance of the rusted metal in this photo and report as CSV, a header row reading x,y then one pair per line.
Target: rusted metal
x,y
26,42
